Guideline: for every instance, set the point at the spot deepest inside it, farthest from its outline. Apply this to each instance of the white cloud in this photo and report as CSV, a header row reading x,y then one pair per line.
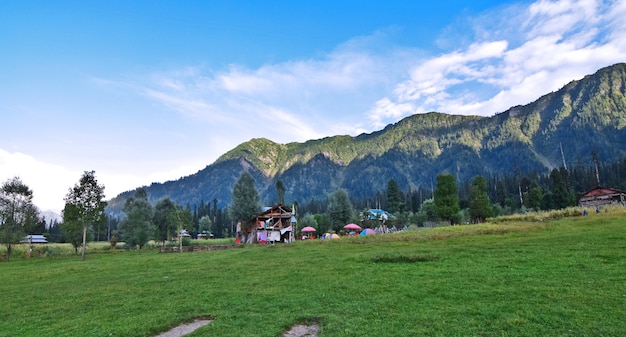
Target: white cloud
x,y
386,109
116,183
309,98
558,41
516,55
51,182
547,17
507,56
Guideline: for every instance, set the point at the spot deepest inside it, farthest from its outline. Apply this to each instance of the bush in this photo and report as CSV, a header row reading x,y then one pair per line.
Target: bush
x,y
533,216
186,242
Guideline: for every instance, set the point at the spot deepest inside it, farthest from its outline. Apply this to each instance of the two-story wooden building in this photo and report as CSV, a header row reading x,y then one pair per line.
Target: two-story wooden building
x,y
602,196
275,224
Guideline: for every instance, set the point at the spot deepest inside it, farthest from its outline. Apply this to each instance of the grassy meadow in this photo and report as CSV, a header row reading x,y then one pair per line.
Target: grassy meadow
x,y
545,277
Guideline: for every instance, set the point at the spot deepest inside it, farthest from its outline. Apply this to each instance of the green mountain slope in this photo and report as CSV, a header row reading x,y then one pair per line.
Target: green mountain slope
x,y
583,116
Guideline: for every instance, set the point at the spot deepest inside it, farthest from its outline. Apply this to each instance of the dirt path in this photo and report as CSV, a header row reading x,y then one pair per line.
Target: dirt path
x,y
303,331
185,329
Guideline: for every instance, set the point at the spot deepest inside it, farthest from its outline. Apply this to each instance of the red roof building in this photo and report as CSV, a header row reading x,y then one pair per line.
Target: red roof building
x,y
601,196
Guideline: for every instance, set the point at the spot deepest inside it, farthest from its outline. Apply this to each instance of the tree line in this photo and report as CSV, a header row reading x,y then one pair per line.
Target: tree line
x,y
480,197
446,200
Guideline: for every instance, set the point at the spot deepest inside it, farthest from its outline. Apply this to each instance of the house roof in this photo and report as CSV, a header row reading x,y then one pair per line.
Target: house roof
x,y
375,213
601,191
35,238
273,218
278,211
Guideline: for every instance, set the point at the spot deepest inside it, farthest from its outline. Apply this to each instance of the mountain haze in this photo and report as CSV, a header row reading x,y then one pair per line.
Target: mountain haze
x,y
585,116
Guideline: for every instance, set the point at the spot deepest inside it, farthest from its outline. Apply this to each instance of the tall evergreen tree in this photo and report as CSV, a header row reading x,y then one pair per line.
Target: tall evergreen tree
x,y
395,198
340,209
447,198
280,190
562,195
245,206
479,204
220,225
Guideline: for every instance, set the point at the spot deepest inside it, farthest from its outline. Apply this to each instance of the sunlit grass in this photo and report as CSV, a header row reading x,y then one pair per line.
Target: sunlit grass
x,y
65,249
540,278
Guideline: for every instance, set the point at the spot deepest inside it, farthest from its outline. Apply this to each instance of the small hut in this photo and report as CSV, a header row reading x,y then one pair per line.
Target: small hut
x,y
602,196
275,224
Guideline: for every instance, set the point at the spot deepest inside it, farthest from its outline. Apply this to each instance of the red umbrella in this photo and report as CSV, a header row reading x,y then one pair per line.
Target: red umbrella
x,y
352,226
308,229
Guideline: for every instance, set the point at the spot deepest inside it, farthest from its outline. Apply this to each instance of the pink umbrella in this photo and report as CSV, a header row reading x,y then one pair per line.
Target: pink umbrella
x,y
352,226
308,229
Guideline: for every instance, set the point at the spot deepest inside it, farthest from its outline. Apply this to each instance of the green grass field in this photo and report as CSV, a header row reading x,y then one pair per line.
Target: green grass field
x,y
563,277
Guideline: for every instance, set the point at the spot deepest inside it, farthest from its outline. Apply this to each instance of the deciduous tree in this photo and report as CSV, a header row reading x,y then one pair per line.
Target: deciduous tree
x,y
72,226
137,227
165,228
17,213
534,198
205,225
87,205
309,220
428,211
182,219
245,206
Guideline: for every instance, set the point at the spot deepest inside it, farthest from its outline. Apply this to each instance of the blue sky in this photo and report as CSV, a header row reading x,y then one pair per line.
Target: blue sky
x,y
150,91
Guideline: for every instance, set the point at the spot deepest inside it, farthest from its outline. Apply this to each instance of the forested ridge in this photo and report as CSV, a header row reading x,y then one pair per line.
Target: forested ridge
x,y
581,125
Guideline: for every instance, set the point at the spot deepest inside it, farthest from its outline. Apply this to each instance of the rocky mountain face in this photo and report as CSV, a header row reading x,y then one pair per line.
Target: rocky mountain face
x,y
585,116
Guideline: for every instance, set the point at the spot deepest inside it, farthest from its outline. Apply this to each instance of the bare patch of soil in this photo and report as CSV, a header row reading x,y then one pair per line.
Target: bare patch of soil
x,y
185,329
303,331
299,330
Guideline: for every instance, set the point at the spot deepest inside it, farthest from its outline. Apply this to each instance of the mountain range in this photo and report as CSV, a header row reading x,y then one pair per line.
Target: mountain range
x,y
585,116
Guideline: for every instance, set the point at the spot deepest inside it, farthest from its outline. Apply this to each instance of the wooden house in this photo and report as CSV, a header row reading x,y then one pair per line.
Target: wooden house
x,y
275,224
602,196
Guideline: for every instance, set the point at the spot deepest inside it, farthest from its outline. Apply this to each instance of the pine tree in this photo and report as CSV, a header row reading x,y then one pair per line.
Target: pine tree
x,y
395,198
339,209
479,204
280,190
446,197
